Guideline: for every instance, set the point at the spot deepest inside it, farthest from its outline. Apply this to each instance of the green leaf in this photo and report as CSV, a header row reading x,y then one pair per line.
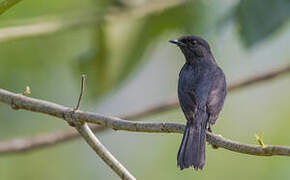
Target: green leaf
x,y
258,19
259,138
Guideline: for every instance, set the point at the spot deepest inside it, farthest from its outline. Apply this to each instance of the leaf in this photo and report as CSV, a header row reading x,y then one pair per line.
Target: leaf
x,y
27,91
258,19
259,138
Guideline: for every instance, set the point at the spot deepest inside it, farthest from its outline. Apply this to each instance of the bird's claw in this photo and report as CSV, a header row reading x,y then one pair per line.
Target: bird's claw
x,y
209,129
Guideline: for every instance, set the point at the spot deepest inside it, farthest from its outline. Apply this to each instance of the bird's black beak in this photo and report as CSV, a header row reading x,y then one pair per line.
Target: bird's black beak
x,y
177,42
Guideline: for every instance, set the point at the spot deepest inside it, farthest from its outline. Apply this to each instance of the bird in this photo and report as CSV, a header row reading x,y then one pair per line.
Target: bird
x,y
202,89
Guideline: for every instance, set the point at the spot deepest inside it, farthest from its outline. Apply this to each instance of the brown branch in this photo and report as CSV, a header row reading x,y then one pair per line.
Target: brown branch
x,y
6,4
39,141
48,25
44,140
260,77
102,152
92,140
81,93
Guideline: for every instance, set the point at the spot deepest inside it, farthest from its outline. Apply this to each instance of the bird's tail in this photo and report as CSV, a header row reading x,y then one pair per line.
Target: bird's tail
x,y
192,148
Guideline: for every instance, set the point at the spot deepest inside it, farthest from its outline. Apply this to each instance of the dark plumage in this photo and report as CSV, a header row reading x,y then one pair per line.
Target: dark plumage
x,y
201,93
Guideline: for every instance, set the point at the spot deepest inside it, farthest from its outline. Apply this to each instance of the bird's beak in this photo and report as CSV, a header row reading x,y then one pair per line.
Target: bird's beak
x,y
177,42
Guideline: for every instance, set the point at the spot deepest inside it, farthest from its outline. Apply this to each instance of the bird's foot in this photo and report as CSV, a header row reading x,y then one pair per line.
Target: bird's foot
x,y
214,146
209,129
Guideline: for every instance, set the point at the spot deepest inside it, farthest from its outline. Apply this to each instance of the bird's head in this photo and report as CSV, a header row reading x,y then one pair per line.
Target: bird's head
x,y
193,47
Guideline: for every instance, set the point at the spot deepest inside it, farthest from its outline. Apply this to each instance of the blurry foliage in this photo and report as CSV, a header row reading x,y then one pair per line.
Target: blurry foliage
x,y
258,19
94,62
112,57
189,18
111,52
111,71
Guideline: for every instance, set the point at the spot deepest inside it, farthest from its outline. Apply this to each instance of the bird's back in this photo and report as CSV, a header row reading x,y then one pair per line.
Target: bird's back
x,y
196,78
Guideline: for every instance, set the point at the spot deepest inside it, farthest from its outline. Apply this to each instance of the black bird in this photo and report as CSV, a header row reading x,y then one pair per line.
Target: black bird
x,y
201,93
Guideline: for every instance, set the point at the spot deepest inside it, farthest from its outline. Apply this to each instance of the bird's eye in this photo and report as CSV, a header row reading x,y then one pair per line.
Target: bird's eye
x,y
194,42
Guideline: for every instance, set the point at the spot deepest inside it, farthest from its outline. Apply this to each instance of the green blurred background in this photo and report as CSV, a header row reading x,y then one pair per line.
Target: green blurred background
x,y
122,46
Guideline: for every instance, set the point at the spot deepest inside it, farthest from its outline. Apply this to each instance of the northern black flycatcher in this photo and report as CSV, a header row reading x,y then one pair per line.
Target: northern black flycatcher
x,y
201,93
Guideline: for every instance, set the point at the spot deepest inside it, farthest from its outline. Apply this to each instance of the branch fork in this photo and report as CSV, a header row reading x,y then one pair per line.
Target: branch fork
x,y
85,131
79,119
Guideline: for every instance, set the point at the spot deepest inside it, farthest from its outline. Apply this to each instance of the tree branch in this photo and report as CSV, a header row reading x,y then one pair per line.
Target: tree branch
x,y
46,26
48,139
101,150
42,140
260,77
39,141
18,101
85,131
6,4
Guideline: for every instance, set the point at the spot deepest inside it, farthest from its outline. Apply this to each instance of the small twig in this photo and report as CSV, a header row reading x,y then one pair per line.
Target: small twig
x,y
81,93
71,120
94,142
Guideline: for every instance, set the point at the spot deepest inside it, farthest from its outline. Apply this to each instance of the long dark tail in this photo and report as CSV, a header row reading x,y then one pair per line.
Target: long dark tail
x,y
192,148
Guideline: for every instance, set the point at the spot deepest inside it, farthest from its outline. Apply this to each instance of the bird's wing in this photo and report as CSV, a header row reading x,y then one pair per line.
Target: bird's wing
x,y
188,104
193,90
216,96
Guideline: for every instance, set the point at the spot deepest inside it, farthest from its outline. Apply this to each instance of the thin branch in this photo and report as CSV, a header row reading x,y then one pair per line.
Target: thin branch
x,y
81,93
260,77
85,131
47,26
6,4
19,101
172,103
49,139
42,140
101,150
